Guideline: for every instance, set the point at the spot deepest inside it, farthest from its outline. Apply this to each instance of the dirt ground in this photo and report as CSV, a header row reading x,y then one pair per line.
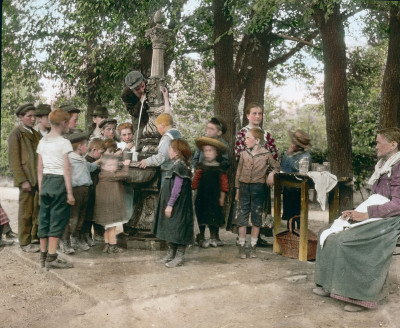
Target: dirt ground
x,y
213,289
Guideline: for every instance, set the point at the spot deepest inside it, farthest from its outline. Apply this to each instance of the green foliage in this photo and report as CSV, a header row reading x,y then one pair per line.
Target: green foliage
x,y
192,98
19,82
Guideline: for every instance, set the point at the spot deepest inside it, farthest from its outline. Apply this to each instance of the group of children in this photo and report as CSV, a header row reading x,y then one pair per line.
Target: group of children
x,y
80,184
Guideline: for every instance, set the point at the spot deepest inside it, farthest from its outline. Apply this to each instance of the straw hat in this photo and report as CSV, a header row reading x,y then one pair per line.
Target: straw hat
x,y
204,141
300,138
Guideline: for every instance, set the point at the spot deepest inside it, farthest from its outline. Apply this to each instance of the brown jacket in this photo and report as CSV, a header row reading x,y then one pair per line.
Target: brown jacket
x,y
22,155
253,168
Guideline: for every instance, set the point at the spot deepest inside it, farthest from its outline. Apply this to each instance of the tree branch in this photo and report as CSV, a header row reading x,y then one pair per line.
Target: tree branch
x,y
292,38
291,52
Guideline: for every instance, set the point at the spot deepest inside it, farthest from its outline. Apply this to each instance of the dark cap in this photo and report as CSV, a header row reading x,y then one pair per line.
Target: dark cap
x,y
133,79
100,111
77,137
43,109
69,108
107,121
22,109
220,123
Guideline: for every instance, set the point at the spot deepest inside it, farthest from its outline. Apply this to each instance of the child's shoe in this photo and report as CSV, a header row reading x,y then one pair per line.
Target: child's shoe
x,y
43,256
253,252
81,245
205,243
219,242
52,262
179,258
114,249
65,247
242,252
106,248
213,243
170,255
89,241
74,242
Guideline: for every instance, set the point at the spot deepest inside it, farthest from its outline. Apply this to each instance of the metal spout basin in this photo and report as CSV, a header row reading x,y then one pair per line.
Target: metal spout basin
x,y
138,176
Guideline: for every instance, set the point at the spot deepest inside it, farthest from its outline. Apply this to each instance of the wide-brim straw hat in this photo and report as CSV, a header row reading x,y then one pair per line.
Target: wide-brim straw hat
x,y
300,138
206,141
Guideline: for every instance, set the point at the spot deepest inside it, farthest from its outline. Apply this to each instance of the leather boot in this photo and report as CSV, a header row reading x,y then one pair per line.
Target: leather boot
x,y
171,251
65,246
88,239
178,259
43,256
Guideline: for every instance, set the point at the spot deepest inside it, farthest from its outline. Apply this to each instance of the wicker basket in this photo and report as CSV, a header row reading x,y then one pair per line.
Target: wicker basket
x,y
289,242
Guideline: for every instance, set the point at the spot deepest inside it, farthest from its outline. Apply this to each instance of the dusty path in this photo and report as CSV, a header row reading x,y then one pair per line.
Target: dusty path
x,y
213,289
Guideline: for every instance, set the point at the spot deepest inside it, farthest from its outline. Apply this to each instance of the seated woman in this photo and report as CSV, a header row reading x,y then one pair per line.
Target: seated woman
x,y
353,264
298,149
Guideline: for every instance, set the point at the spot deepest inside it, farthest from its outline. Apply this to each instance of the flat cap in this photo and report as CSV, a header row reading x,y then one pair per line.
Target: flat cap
x,y
69,108
220,123
100,111
43,109
107,121
77,137
22,109
133,79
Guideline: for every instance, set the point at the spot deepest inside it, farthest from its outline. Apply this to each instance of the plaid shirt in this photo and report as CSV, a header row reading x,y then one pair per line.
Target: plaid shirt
x,y
240,145
3,217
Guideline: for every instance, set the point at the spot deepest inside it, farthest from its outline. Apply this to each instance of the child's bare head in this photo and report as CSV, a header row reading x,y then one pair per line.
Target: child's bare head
x,y
109,163
125,130
182,149
58,116
110,146
96,148
163,123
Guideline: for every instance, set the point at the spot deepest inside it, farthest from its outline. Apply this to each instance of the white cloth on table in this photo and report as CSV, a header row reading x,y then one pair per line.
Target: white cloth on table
x,y
324,182
342,224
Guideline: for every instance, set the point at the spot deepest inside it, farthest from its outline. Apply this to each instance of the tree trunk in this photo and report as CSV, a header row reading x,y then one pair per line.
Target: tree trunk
x,y
224,98
390,106
257,74
93,97
223,55
335,99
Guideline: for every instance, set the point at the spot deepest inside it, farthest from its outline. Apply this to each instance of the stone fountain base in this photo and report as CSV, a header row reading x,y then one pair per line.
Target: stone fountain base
x,y
141,240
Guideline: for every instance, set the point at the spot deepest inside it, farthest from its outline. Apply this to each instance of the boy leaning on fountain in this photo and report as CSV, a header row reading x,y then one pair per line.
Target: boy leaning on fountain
x,y
164,126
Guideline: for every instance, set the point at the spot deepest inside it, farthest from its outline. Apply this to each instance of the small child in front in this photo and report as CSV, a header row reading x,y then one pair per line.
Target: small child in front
x,y
109,207
95,150
55,189
251,176
81,181
211,183
174,214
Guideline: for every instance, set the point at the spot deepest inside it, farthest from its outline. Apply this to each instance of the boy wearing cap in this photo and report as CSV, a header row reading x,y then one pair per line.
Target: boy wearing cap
x,y
81,181
133,96
298,150
55,189
73,113
211,183
100,113
215,128
107,128
22,145
42,119
164,126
